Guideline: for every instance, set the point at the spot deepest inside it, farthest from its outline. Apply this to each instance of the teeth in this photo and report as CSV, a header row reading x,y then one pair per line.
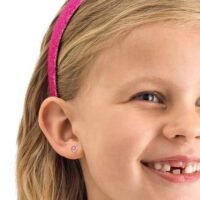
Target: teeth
x,y
189,168
166,167
157,166
176,171
194,167
163,167
198,167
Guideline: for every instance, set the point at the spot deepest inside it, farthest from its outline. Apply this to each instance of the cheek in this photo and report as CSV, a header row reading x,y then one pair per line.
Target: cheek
x,y
114,145
124,138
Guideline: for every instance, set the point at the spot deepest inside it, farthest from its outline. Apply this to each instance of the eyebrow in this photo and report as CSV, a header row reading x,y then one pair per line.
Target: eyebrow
x,y
147,79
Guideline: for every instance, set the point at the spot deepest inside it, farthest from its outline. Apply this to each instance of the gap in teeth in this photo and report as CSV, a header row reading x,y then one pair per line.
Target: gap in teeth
x,y
165,167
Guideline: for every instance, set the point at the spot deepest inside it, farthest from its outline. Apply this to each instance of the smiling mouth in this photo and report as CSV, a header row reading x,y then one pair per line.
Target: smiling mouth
x,y
180,168
177,171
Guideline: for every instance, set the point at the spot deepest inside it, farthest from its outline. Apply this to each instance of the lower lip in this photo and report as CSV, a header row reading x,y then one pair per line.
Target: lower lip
x,y
176,178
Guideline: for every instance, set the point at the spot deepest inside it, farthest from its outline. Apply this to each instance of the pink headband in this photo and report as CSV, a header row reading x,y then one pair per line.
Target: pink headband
x,y
60,25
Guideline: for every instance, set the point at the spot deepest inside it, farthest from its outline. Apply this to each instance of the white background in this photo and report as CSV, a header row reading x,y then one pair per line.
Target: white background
x,y
23,24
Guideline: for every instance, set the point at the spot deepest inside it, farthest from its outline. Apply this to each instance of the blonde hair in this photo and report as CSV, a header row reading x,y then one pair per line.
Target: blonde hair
x,y
42,174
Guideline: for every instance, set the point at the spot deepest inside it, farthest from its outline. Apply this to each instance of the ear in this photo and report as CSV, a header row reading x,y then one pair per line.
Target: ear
x,y
55,121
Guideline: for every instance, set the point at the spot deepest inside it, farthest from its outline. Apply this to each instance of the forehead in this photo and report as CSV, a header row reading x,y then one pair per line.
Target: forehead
x,y
152,49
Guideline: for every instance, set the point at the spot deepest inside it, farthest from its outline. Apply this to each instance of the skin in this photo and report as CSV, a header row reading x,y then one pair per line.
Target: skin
x,y
114,129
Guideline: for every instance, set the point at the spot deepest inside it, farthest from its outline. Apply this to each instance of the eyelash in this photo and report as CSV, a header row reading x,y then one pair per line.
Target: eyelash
x,y
148,93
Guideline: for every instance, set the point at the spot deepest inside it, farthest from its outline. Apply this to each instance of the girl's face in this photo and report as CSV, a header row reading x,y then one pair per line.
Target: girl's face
x,y
119,127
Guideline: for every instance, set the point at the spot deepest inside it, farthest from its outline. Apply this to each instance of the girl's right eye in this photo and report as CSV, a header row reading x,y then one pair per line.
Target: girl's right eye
x,y
150,96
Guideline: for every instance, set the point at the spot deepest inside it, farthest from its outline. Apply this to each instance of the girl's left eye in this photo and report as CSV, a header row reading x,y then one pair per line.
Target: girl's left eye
x,y
148,96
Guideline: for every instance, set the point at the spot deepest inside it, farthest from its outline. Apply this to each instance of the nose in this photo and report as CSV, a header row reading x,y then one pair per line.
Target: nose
x,y
184,125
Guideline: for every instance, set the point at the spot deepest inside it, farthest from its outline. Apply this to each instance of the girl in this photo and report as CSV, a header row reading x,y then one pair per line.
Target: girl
x,y
112,109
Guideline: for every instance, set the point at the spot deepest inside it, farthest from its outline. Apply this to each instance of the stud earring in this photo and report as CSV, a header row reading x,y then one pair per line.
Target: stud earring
x,y
74,149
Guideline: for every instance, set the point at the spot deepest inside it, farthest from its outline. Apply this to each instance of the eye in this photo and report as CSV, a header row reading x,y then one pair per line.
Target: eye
x,y
152,96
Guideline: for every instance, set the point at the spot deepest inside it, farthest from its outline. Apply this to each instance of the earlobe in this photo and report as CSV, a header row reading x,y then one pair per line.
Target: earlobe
x,y
74,150
55,122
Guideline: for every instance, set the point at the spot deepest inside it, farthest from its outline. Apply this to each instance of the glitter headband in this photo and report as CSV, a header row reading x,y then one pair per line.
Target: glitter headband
x,y
58,29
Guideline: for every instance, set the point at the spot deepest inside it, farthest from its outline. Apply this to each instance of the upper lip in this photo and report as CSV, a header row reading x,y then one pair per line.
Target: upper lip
x,y
183,158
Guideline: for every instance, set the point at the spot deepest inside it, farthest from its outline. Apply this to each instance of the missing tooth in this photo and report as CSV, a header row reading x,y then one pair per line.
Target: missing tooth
x,y
176,168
